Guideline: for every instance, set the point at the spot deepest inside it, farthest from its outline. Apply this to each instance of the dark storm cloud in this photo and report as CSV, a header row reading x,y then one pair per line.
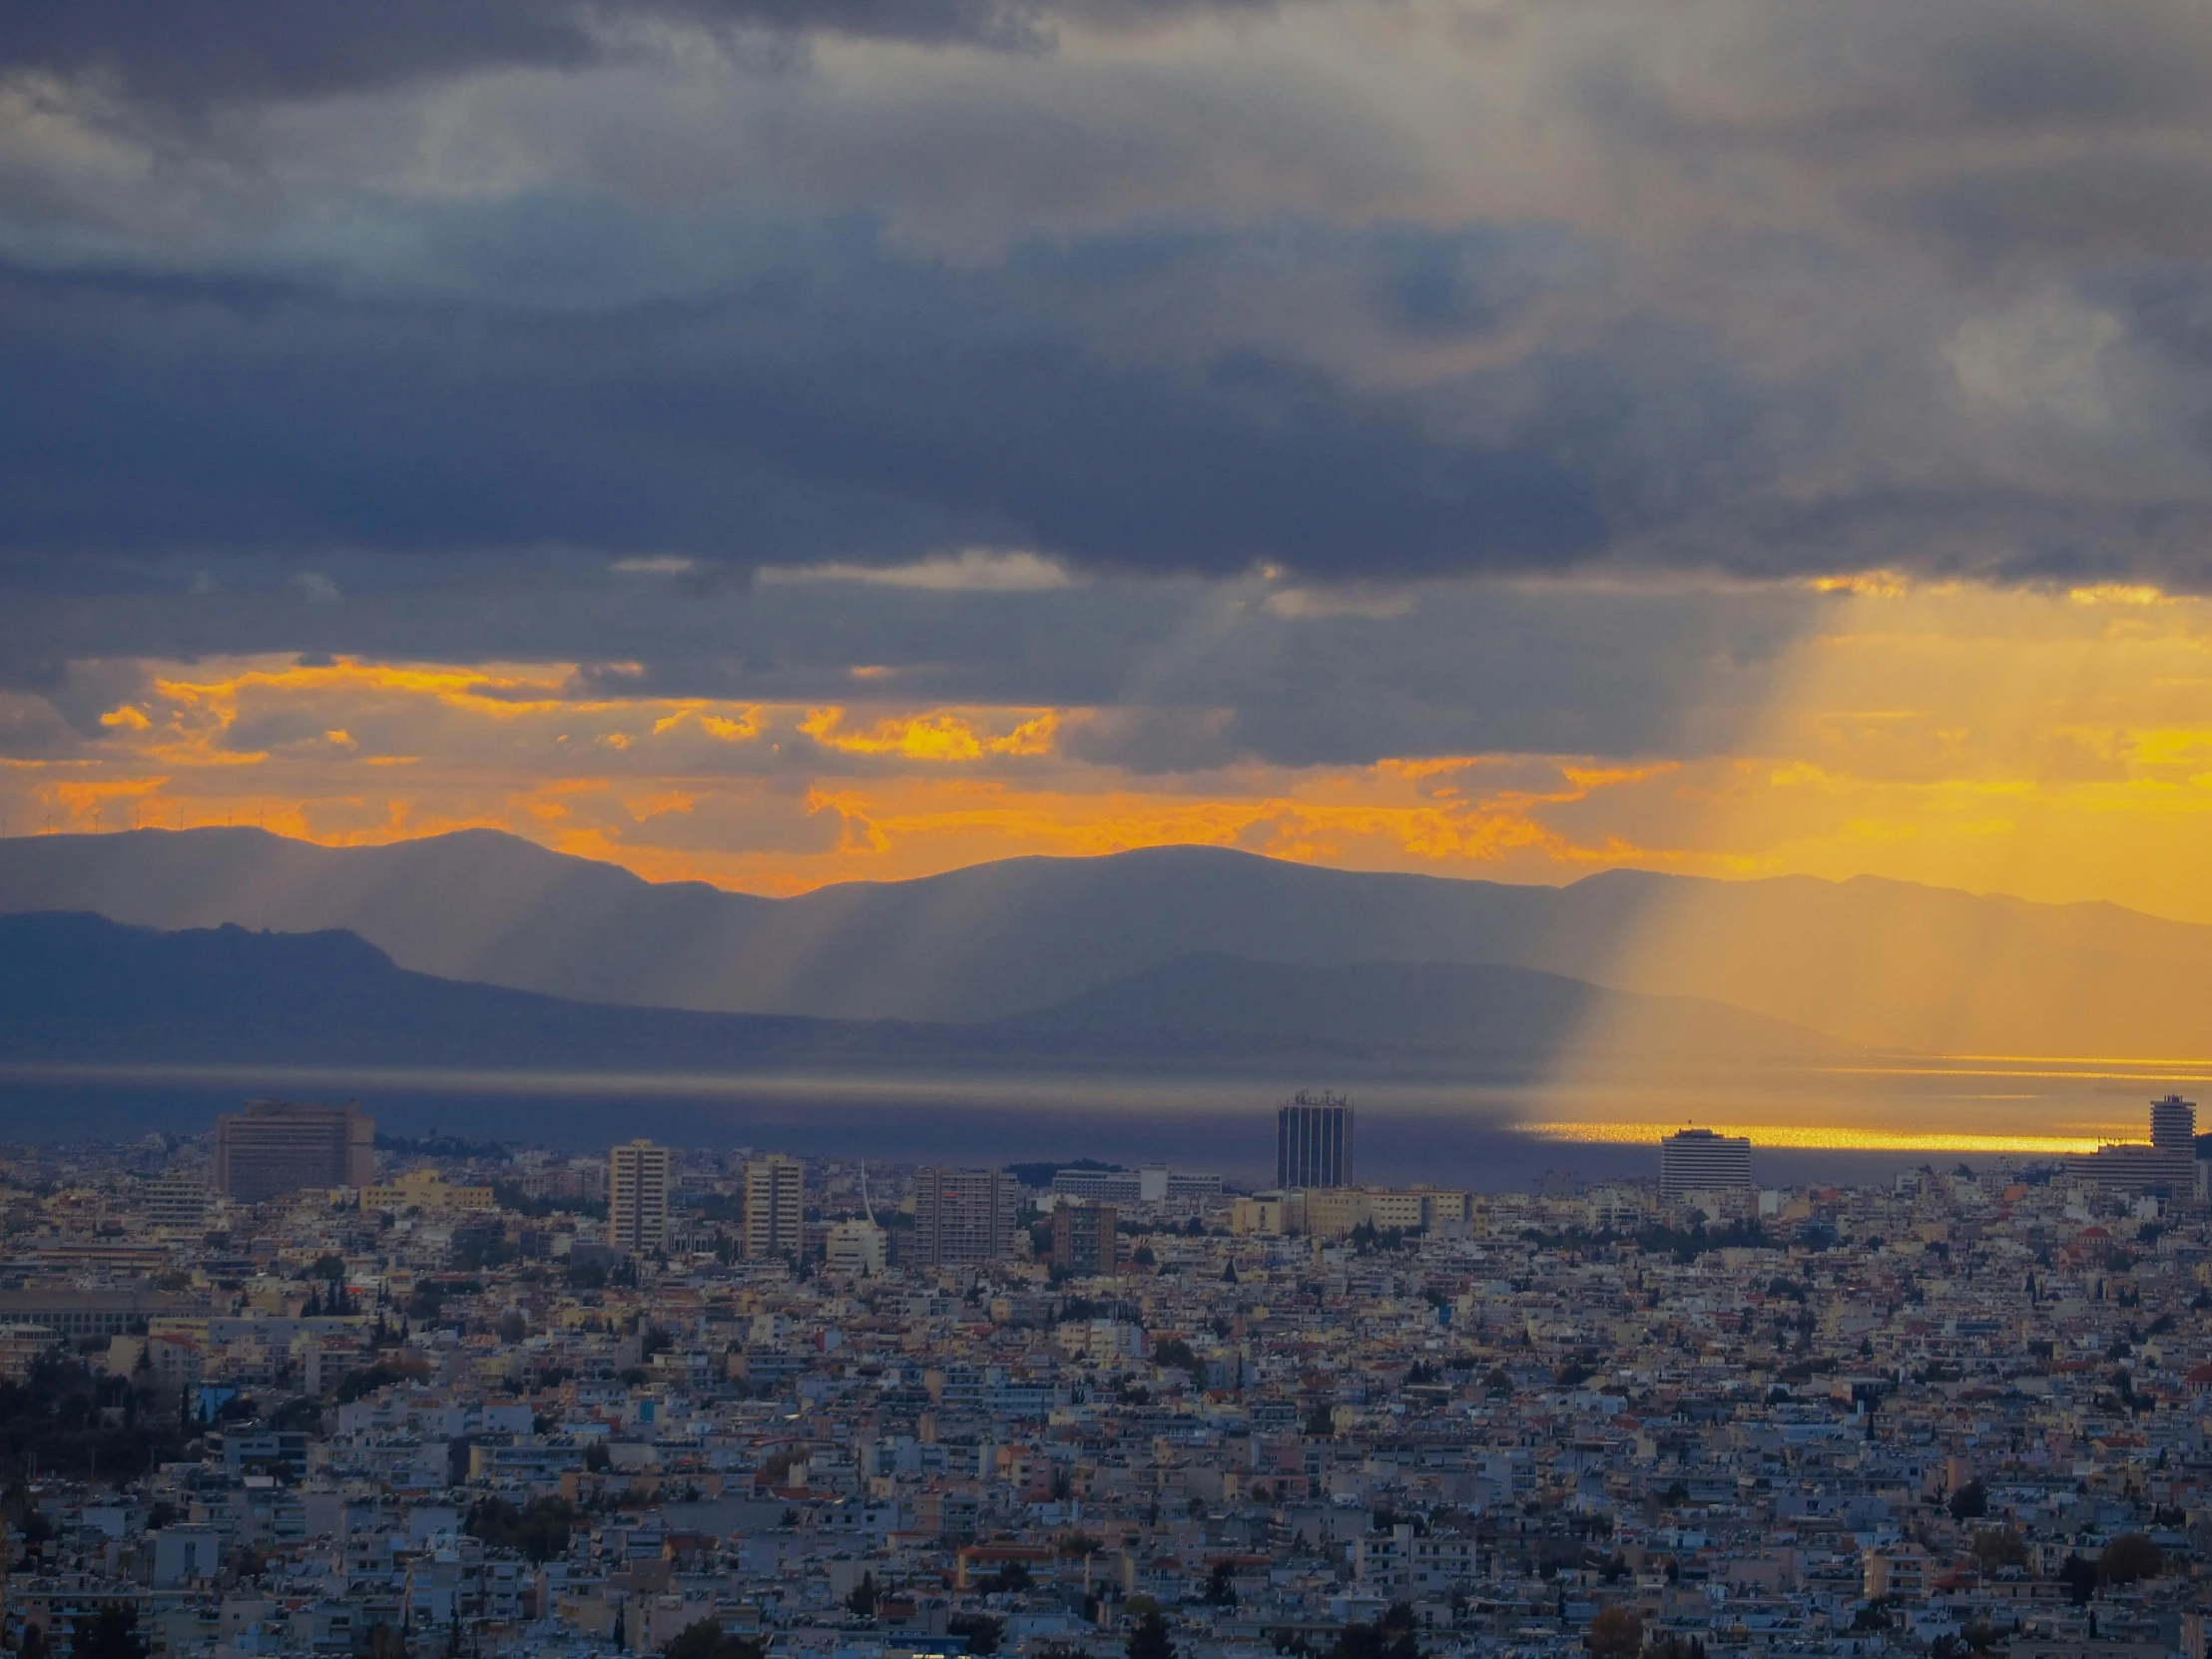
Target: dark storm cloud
x,y
1189,674
1375,294
189,55
173,416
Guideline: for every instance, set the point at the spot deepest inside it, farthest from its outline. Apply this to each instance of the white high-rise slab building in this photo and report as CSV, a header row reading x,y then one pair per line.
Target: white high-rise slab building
x,y
1699,1161
2173,1125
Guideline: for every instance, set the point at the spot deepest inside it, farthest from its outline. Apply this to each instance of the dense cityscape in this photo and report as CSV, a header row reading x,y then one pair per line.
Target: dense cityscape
x,y
292,1387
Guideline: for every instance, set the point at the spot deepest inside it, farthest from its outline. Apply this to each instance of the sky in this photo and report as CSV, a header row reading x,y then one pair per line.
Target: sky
x,y
780,443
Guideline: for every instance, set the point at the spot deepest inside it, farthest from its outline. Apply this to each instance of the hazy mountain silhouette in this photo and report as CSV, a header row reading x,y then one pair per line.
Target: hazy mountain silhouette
x,y
78,987
1881,963
1420,1005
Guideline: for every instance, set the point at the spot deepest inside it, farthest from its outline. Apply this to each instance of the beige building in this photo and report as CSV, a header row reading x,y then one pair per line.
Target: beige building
x,y
639,1176
774,1206
1897,1572
858,1248
1268,1215
1331,1213
20,1347
427,1189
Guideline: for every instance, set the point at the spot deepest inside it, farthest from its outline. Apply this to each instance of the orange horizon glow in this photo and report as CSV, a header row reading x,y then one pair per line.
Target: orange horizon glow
x,y
2056,747
1815,1137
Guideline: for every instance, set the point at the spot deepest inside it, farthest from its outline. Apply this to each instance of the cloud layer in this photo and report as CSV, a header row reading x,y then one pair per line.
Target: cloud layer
x,y
1414,431
1364,292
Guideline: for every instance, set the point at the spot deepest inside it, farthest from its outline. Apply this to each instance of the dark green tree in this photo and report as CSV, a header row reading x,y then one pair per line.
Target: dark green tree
x,y
1149,1638
110,1633
2128,1558
706,1639
1389,1637
2079,1575
981,1630
539,1530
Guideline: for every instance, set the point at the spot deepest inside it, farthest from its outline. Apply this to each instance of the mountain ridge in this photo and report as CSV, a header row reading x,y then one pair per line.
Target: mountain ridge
x,y
76,988
1880,963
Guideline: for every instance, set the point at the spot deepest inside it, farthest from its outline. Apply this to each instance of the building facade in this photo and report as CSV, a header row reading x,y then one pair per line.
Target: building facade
x,y
855,1247
1699,1161
963,1216
1314,1142
638,1180
774,1206
2167,1166
271,1147
1086,1237
175,1203
2173,1125
427,1189
1153,1184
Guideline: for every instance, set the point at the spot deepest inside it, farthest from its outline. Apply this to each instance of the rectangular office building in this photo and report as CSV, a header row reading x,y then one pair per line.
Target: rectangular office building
x,y
1312,1142
774,1206
1086,1239
638,1178
1699,1161
963,1216
276,1145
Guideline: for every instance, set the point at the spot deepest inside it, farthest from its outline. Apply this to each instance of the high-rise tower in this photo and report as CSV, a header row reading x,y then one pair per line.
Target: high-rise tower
x,y
1312,1141
774,1206
1697,1161
2173,1125
636,1196
963,1216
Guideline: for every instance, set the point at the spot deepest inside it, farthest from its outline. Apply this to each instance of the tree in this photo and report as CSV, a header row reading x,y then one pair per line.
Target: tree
x,y
1616,1634
2081,1578
1175,1353
706,1639
1149,1639
540,1531
2130,1557
1221,1585
862,1598
981,1630
1389,1637
110,1633
1970,1502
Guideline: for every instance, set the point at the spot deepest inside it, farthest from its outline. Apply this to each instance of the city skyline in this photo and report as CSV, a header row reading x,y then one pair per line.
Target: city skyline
x,y
1105,830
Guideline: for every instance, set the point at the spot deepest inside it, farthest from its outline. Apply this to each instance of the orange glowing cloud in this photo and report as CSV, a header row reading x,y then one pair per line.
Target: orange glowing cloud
x,y
942,734
2059,745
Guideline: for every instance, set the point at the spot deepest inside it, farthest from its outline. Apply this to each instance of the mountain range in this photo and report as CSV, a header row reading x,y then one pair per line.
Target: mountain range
x,y
1883,965
79,988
